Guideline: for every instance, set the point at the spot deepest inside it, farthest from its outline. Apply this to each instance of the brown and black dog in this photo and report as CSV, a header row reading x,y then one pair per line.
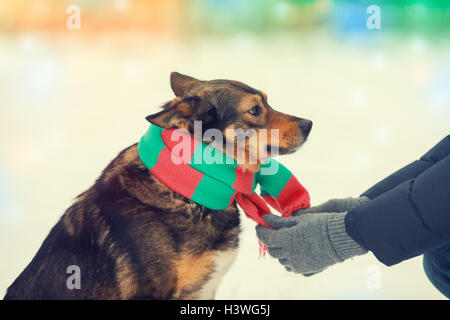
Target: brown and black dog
x,y
132,237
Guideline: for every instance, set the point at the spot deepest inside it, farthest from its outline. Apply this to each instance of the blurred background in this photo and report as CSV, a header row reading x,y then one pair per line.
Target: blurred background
x,y
77,79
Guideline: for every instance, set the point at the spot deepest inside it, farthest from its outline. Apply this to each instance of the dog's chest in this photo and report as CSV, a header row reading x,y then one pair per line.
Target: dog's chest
x,y
199,276
199,273
222,262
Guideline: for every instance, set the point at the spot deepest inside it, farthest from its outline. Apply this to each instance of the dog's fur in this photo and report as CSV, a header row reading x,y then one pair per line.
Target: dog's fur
x,y
134,238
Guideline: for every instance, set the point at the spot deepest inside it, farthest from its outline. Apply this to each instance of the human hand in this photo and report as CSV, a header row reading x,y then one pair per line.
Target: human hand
x,y
308,243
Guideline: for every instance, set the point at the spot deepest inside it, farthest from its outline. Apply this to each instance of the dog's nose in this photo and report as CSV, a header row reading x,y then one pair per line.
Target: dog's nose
x,y
305,127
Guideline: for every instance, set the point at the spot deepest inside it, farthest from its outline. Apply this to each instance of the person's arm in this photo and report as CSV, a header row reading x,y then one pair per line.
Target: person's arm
x,y
410,219
403,222
436,154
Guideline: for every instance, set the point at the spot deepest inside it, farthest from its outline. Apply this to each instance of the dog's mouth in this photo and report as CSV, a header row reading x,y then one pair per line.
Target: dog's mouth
x,y
273,150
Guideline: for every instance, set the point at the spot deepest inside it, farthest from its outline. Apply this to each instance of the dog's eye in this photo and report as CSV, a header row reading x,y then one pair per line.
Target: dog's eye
x,y
255,111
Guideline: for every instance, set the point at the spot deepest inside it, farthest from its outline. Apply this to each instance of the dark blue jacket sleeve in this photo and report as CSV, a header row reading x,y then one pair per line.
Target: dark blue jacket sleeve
x,y
411,218
436,154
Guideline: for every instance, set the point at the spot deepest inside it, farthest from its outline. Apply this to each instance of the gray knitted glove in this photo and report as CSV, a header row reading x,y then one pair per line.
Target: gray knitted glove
x,y
334,205
308,243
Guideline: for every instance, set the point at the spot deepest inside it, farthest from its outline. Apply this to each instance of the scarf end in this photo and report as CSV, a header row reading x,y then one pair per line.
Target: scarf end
x,y
262,249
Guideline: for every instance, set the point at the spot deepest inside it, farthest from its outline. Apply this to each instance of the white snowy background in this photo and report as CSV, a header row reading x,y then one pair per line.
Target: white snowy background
x,y
69,104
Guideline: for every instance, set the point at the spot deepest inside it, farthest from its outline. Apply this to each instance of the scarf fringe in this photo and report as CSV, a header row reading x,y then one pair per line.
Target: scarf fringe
x,y
262,249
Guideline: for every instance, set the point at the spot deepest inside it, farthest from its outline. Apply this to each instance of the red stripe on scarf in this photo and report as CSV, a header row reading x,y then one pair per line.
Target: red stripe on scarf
x,y
244,180
254,207
178,172
181,142
293,197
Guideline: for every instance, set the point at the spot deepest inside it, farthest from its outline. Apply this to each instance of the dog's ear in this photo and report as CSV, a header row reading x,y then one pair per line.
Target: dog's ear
x,y
177,114
181,84
182,112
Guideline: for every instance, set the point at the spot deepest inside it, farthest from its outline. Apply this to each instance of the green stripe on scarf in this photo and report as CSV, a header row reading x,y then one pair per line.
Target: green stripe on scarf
x,y
225,169
217,197
151,146
273,186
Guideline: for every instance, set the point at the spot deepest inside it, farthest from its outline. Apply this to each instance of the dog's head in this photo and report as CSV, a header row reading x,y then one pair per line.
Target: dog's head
x,y
241,114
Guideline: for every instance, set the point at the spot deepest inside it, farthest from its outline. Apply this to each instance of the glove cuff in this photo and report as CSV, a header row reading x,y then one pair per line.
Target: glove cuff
x,y
343,244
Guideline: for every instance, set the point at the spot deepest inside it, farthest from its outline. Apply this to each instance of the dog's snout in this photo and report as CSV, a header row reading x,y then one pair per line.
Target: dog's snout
x,y
305,127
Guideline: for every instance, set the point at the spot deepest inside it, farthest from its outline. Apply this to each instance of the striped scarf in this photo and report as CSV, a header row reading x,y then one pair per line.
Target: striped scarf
x,y
212,179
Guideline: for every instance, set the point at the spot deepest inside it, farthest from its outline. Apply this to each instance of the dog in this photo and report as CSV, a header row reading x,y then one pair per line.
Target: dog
x,y
130,236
